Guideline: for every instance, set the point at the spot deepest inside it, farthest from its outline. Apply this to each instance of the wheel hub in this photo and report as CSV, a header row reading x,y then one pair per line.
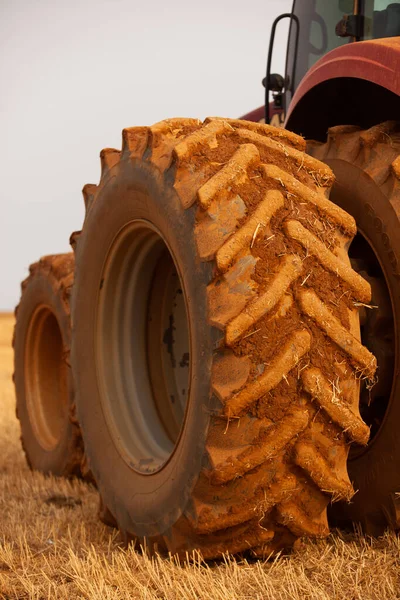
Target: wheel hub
x,y
142,347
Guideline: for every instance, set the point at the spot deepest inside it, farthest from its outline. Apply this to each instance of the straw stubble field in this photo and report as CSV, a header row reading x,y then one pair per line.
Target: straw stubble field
x,y
53,547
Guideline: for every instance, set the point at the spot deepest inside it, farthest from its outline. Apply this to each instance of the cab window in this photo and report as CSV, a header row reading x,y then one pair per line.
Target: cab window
x,y
381,19
318,19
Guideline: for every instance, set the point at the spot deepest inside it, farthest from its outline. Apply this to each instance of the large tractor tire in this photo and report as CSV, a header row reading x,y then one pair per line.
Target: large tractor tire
x,y
366,165
216,348
50,433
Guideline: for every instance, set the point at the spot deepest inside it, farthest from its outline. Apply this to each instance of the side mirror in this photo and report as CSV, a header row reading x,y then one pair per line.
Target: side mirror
x,y
276,82
276,85
350,26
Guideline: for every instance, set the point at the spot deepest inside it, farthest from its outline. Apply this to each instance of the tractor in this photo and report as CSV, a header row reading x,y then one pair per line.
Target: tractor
x,y
219,353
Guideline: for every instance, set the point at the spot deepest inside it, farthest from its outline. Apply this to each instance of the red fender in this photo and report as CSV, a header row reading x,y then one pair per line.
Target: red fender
x,y
377,61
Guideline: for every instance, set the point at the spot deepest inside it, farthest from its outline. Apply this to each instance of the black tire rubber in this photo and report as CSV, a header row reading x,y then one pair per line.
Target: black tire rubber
x,y
50,434
251,468
366,165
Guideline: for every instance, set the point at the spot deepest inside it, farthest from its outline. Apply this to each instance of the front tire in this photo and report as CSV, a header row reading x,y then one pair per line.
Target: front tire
x,y
212,264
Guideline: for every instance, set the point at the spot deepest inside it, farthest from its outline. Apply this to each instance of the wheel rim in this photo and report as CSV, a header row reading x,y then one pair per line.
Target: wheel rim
x,y
142,347
377,334
46,378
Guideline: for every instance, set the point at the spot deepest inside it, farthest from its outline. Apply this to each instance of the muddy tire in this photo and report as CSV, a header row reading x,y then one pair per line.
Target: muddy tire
x,y
367,169
216,346
50,434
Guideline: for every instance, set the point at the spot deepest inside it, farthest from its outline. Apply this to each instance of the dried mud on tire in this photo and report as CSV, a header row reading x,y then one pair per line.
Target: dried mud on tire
x,y
367,169
282,392
42,374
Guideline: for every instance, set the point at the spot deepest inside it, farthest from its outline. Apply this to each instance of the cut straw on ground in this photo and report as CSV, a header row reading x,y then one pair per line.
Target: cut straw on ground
x,y
59,550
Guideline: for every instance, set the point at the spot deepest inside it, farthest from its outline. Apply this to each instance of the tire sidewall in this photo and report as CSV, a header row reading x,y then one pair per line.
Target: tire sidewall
x,y
376,471
40,291
143,505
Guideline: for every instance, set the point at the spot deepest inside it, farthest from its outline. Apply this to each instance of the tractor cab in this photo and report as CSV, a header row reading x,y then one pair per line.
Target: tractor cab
x,y
316,28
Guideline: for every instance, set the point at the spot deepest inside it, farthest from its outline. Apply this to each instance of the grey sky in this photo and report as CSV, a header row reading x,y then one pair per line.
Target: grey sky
x,y
75,73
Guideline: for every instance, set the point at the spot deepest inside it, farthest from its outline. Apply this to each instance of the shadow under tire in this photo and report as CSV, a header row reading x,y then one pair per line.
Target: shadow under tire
x,y
213,307
50,434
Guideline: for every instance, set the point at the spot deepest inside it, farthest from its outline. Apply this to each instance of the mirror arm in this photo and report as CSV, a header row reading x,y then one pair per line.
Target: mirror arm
x,y
294,18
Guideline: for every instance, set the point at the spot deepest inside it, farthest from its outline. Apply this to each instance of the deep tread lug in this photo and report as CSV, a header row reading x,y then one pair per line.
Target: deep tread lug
x,y
109,157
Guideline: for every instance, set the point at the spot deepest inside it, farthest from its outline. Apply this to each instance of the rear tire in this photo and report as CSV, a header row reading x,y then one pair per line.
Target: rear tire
x,y
260,322
50,434
366,165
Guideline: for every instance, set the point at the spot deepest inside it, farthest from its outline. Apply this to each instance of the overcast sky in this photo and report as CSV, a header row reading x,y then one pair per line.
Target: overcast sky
x,y
74,73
